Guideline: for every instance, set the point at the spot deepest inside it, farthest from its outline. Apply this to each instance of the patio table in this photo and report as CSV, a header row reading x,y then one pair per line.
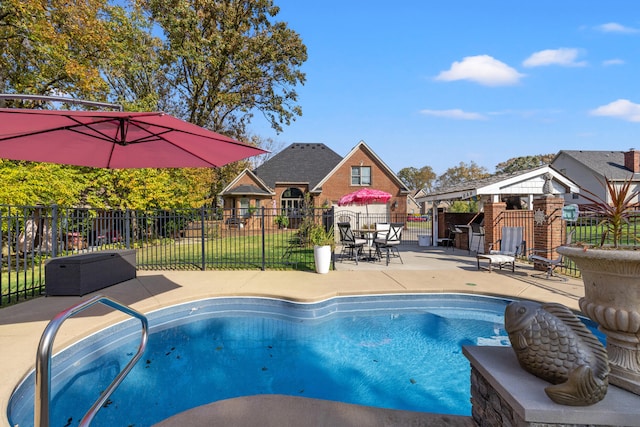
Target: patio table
x,y
369,235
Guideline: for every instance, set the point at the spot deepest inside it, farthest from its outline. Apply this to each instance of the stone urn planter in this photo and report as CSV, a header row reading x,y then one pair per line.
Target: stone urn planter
x,y
611,280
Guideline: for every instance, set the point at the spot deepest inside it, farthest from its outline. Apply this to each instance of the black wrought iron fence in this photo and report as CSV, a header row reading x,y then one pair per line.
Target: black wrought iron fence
x,y
590,230
182,239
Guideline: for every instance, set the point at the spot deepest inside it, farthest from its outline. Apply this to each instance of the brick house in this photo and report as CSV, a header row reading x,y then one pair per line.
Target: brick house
x,y
280,184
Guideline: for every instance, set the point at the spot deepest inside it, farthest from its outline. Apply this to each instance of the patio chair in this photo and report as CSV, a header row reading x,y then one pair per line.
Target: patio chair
x,y
510,246
477,232
452,233
382,228
511,243
549,264
351,245
390,242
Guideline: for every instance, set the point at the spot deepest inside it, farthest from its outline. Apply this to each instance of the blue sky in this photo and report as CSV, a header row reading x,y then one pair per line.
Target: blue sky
x,y
436,83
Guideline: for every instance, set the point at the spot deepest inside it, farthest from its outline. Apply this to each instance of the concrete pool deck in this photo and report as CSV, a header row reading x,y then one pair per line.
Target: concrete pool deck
x,y
425,270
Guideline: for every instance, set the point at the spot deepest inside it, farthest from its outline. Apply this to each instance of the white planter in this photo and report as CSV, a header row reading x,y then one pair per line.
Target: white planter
x,y
612,299
322,257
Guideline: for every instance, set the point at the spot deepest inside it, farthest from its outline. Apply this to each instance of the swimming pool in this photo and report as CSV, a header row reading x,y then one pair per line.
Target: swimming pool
x,y
391,351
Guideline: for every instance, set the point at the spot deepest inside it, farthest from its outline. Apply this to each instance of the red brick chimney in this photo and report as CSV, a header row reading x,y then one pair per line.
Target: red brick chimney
x,y
632,160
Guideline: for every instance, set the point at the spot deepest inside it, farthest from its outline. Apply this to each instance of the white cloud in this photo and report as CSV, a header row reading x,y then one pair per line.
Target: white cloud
x,y
615,61
614,27
454,114
565,57
482,69
621,109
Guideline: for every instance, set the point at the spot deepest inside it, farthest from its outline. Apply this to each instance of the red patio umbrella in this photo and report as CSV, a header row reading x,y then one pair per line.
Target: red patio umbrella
x,y
364,196
114,139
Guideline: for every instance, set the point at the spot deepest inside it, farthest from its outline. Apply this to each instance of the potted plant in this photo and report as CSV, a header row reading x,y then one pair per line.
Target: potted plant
x,y
611,277
282,221
323,242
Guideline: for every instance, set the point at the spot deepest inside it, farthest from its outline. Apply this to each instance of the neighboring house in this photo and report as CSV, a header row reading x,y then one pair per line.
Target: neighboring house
x,y
587,167
413,207
282,181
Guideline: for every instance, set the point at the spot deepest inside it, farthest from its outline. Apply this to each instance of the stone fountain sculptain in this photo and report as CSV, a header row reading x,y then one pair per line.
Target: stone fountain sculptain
x,y
551,343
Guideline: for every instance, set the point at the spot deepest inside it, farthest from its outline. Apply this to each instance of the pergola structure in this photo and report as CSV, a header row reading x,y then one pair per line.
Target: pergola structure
x,y
523,186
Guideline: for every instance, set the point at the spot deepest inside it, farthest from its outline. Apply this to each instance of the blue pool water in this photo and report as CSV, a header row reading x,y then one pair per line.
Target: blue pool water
x,y
392,351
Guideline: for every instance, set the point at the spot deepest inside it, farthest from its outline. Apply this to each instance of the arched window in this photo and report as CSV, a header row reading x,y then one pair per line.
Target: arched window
x,y
291,201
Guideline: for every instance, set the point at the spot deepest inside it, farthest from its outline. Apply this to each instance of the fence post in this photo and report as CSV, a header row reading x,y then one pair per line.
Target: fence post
x,y
492,218
127,228
202,240
547,226
54,231
264,260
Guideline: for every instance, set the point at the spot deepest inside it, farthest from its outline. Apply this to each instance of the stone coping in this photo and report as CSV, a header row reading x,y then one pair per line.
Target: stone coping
x,y
525,394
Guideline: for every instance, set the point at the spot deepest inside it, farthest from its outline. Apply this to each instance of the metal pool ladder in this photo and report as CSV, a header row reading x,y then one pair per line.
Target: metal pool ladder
x,y
42,398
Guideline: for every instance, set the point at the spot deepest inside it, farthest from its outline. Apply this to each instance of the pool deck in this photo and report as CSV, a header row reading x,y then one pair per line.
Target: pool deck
x,y
425,270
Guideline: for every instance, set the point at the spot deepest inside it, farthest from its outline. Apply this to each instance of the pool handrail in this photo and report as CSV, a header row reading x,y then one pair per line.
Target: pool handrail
x,y
42,398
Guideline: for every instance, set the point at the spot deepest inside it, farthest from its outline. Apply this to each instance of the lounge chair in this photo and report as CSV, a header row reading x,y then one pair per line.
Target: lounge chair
x,y
510,245
511,242
549,264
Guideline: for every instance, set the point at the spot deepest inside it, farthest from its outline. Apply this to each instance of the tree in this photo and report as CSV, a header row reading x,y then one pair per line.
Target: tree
x,y
224,60
54,47
216,63
525,162
417,179
462,173
461,206
28,183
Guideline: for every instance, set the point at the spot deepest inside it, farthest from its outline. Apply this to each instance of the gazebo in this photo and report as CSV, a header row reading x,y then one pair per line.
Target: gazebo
x,y
518,189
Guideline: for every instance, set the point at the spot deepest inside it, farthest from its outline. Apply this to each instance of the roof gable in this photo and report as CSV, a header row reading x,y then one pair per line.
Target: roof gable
x,y
299,163
602,163
364,147
528,181
247,183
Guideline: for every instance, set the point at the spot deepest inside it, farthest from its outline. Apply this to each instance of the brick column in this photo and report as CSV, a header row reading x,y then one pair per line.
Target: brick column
x,y
548,226
492,229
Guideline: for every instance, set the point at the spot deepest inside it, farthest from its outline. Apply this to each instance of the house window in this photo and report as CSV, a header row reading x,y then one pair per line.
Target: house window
x,y
291,201
360,175
244,207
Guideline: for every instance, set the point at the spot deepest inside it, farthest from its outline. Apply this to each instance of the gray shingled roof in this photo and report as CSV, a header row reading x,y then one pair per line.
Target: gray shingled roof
x,y
606,163
299,162
247,189
479,183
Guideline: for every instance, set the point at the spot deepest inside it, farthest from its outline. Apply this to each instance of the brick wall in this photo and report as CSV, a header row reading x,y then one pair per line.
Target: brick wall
x,y
489,409
548,234
339,183
492,225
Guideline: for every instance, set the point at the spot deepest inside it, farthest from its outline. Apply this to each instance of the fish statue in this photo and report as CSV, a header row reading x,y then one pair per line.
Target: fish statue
x,y
551,343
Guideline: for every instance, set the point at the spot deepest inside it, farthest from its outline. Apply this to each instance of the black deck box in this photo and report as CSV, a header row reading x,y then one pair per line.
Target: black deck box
x,y
84,273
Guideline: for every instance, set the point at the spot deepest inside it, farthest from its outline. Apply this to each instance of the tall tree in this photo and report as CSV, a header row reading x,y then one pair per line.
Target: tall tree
x,y
214,63
54,47
417,179
224,60
462,173
524,162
